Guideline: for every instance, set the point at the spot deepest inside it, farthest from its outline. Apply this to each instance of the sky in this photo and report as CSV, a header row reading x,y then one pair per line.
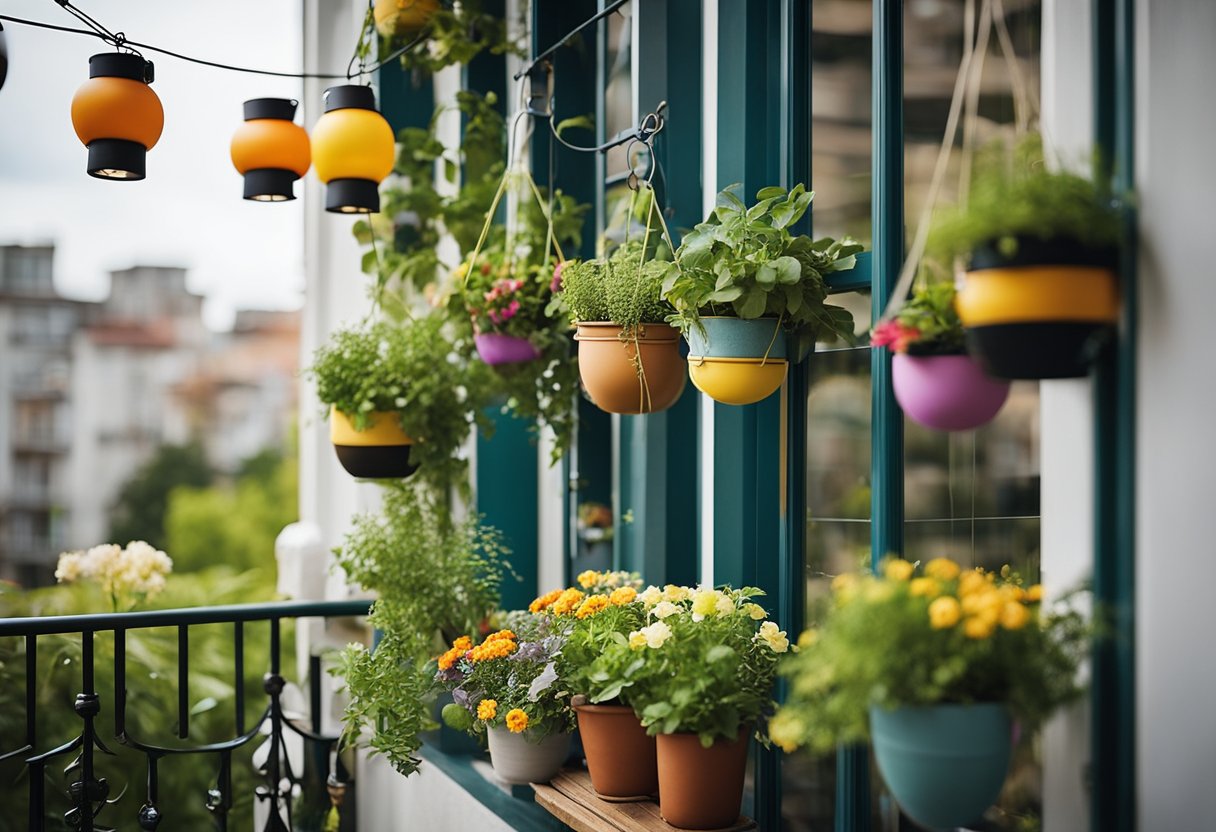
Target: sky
x,y
189,211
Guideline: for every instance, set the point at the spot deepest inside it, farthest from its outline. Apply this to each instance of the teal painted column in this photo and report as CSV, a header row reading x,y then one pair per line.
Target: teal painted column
x,y
407,99
506,488
1113,716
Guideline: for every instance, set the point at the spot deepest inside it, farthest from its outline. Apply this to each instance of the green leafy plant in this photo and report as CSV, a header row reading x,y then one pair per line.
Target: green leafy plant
x,y
435,579
411,369
620,289
927,324
705,664
944,636
745,262
1014,194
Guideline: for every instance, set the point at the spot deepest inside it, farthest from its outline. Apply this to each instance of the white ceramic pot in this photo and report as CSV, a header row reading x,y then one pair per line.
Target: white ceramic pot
x,y
518,758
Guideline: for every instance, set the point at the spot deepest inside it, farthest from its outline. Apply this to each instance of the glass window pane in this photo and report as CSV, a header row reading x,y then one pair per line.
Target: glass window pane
x,y
618,91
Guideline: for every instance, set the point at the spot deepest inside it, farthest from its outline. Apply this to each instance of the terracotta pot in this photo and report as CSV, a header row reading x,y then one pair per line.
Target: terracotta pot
x,y
520,758
621,758
701,788
606,366
381,451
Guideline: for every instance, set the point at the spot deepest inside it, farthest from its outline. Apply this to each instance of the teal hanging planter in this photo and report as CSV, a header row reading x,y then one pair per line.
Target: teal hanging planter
x,y
944,764
737,338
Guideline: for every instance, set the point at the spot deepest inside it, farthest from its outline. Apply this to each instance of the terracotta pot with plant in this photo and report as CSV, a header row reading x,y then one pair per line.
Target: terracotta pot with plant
x,y
700,676
1040,299
628,356
749,294
933,665
936,383
601,611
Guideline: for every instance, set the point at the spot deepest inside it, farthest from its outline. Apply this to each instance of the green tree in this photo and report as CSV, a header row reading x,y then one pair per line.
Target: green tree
x,y
139,513
233,524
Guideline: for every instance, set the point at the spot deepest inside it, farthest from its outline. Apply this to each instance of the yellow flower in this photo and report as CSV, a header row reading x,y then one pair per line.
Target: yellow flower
x,y
496,646
451,657
808,638
786,730
545,601
1034,594
637,640
985,603
501,634
944,613
594,604
979,627
567,602
704,603
756,612
588,579
898,569
776,639
1014,616
460,271
487,709
923,587
655,635
844,582
462,643
517,721
973,581
671,592
622,596
943,569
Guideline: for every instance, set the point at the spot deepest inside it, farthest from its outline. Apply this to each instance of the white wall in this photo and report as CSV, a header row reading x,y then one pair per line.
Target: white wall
x,y
1176,452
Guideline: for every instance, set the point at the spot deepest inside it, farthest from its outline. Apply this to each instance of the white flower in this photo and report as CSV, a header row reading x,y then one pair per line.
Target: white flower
x,y
664,609
650,596
725,605
774,637
69,568
656,634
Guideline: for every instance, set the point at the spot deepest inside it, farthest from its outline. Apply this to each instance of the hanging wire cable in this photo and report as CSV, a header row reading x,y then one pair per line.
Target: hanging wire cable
x,y
119,41
650,126
607,10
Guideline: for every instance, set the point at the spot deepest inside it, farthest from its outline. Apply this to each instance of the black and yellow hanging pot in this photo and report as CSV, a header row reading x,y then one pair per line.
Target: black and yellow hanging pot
x,y
1043,311
380,452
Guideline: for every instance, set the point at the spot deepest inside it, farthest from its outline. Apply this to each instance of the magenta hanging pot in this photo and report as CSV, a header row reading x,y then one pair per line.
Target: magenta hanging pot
x,y
946,392
496,349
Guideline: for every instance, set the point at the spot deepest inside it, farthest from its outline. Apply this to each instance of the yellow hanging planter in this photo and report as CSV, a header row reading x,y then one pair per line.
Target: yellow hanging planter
x,y
382,451
397,17
737,380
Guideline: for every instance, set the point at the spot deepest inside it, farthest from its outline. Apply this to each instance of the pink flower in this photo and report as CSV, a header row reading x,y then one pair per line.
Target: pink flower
x,y
556,284
510,311
894,335
490,295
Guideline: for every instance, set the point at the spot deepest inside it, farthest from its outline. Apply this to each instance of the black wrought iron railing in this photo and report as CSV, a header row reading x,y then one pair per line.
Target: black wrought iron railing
x,y
89,794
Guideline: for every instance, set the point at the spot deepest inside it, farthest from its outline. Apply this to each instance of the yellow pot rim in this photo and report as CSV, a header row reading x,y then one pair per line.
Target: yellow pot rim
x,y
714,359
1028,294
385,429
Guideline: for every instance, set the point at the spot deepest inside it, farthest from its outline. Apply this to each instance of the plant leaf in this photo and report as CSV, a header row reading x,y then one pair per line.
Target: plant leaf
x,y
752,305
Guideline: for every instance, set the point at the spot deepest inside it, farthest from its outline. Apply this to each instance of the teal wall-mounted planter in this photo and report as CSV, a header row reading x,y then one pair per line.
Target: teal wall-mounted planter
x,y
944,764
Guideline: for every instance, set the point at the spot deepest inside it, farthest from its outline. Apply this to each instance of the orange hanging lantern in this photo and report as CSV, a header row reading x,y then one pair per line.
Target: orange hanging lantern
x,y
117,115
270,150
353,150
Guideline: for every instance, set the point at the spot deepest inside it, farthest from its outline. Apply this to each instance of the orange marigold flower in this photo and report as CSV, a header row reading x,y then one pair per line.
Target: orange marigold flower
x,y
487,709
517,721
594,604
545,601
500,635
462,643
568,601
622,596
493,649
450,657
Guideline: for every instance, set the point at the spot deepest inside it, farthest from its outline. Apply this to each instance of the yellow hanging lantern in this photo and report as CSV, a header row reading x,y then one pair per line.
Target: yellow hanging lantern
x,y
352,149
117,115
270,150
397,17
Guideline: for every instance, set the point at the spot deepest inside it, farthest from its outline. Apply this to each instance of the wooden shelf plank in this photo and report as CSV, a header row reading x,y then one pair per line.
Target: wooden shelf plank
x,y
571,799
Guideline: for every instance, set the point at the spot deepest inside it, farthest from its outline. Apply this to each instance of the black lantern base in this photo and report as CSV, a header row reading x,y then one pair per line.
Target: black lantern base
x,y
269,185
117,159
352,196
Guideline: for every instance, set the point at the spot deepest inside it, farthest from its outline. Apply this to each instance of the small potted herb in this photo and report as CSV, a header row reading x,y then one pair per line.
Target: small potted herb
x,y
700,675
628,357
936,383
620,755
933,665
508,688
749,294
506,302
1040,298
396,399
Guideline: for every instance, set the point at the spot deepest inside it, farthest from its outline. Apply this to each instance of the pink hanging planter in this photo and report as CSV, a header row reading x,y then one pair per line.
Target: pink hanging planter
x,y
946,392
496,349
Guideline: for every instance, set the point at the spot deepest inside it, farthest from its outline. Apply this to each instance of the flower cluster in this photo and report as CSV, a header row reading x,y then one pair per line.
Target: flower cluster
x,y
593,581
496,646
894,334
127,575
927,324
701,604
504,295
501,303
927,634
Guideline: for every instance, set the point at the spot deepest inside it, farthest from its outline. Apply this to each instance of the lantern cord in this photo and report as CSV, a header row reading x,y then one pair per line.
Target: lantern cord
x,y
607,10
118,40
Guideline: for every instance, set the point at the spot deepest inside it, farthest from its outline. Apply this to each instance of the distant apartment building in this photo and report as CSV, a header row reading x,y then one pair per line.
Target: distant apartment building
x,y
90,391
36,412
